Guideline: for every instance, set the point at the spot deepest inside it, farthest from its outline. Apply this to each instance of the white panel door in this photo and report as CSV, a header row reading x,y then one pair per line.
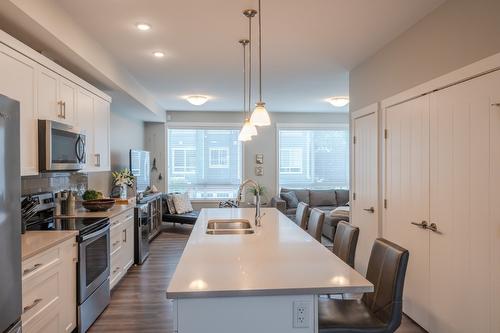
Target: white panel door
x,y
461,282
17,81
67,94
407,193
365,207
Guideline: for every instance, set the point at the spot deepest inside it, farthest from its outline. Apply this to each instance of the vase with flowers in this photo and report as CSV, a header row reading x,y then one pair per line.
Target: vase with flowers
x,y
123,179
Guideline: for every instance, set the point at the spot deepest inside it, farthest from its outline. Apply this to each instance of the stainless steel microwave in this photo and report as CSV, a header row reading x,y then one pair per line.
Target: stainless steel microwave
x,y
60,147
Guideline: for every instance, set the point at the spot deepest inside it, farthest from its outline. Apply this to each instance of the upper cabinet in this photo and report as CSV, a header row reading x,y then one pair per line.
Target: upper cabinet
x,y
17,81
47,91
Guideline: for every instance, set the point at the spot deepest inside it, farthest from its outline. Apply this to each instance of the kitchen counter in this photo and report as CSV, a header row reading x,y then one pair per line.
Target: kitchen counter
x,y
35,242
114,211
278,259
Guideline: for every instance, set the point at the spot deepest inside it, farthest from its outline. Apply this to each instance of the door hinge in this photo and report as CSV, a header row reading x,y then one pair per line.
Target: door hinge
x,y
354,140
354,196
386,134
385,203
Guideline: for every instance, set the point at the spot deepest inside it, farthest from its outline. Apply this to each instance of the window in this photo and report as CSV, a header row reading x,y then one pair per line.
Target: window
x,y
219,158
316,158
205,162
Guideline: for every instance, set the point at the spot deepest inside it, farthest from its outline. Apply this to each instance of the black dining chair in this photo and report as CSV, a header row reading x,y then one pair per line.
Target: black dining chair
x,y
345,242
377,312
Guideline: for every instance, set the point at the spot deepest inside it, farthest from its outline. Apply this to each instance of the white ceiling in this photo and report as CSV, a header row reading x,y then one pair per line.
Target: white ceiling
x,y
308,46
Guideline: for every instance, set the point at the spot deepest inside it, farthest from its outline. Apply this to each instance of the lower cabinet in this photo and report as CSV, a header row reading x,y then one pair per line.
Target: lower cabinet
x,y
49,290
122,246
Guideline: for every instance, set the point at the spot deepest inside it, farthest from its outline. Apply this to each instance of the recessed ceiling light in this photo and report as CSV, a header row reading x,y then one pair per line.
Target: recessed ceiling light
x,y
158,54
143,26
338,101
197,99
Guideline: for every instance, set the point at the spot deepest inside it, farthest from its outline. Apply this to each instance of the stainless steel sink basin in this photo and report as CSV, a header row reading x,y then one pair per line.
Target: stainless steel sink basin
x,y
228,224
230,232
229,227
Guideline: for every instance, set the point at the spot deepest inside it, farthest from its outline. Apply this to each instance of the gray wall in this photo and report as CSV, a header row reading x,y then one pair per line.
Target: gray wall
x,y
264,142
456,34
125,134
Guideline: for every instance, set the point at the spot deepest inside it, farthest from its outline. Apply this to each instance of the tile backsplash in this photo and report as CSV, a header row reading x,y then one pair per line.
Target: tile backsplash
x,y
54,182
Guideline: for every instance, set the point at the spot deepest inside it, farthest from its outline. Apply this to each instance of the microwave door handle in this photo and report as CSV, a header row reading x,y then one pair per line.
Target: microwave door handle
x,y
77,149
82,143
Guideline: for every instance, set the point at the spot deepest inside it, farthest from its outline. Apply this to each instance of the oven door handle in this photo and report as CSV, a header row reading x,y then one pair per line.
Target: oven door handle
x,y
94,234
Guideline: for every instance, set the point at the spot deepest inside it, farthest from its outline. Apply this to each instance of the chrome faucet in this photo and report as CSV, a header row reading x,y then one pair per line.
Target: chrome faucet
x,y
258,216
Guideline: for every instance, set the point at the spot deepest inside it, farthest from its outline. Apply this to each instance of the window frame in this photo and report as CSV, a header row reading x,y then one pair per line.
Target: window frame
x,y
310,127
204,126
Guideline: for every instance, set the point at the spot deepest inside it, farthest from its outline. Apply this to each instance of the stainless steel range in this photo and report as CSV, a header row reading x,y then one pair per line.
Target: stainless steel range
x,y
93,255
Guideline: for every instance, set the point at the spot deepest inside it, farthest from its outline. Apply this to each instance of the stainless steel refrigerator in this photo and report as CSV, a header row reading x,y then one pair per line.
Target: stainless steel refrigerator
x,y
10,216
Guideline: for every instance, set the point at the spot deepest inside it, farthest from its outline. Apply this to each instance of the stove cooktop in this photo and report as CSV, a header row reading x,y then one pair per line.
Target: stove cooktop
x,y
83,224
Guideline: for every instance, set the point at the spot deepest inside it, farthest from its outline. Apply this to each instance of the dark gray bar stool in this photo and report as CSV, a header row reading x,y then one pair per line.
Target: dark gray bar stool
x,y
301,215
345,242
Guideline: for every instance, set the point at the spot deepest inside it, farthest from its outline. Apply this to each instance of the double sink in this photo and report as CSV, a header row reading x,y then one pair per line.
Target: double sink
x,y
229,227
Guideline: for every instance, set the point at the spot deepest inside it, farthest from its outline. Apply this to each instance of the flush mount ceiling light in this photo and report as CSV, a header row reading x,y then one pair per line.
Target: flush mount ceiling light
x,y
143,26
338,101
260,116
197,99
158,54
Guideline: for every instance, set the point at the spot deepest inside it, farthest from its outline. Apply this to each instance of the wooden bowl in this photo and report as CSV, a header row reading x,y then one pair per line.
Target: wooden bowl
x,y
99,205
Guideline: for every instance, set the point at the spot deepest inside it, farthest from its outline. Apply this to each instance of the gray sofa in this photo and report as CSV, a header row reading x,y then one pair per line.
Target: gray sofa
x,y
326,200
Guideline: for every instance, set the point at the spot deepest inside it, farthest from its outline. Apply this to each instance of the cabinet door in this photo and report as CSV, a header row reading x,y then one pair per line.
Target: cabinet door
x,y
365,186
128,244
85,114
68,288
17,81
101,158
407,194
50,107
67,96
462,202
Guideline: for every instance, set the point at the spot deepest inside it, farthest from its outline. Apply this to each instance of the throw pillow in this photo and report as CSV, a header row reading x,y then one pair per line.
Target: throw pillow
x,y
182,203
342,211
170,204
291,199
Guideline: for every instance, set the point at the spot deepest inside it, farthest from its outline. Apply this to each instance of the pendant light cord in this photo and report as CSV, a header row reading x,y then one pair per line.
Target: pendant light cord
x,y
244,81
249,62
260,53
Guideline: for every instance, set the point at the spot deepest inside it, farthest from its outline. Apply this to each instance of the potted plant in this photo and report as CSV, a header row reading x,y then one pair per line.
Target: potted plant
x,y
124,179
254,190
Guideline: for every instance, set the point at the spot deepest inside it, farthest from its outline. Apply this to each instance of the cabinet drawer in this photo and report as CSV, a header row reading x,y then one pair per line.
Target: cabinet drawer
x,y
116,242
116,269
40,263
48,322
41,295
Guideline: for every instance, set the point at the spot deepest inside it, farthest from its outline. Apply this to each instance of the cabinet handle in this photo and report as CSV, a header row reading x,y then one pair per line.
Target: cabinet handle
x,y
98,160
32,269
64,109
60,114
117,242
35,303
116,270
370,210
422,224
125,235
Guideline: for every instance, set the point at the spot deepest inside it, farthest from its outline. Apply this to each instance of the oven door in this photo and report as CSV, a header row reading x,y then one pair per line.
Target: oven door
x,y
61,147
93,265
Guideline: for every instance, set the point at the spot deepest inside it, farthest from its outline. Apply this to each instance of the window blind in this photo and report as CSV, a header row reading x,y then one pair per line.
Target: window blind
x,y
314,158
205,162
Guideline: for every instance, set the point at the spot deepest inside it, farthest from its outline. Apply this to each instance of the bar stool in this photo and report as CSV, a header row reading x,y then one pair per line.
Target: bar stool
x,y
315,225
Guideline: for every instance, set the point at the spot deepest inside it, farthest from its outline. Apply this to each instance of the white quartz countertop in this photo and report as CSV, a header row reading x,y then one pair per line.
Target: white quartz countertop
x,y
278,259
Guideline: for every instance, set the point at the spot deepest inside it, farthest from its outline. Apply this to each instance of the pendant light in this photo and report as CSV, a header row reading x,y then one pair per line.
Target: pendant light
x,y
260,116
248,130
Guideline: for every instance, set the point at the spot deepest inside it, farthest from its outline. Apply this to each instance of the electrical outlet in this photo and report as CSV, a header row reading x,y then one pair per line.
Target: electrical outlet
x,y
301,314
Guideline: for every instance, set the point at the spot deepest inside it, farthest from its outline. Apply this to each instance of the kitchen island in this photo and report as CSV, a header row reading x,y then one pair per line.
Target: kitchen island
x,y
264,281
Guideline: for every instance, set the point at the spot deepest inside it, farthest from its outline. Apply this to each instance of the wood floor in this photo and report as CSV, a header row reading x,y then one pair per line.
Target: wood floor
x,y
138,302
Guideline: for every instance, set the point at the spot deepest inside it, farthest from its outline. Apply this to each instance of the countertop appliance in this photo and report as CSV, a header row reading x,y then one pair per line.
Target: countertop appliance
x,y
142,222
10,217
93,292
60,147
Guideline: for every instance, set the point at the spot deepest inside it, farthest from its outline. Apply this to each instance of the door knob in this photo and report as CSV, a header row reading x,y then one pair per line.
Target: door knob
x,y
371,209
422,224
433,227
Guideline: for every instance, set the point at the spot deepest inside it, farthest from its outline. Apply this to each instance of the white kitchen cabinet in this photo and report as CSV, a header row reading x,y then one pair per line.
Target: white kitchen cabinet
x,y
17,81
49,290
101,152
122,246
85,112
442,159
56,97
